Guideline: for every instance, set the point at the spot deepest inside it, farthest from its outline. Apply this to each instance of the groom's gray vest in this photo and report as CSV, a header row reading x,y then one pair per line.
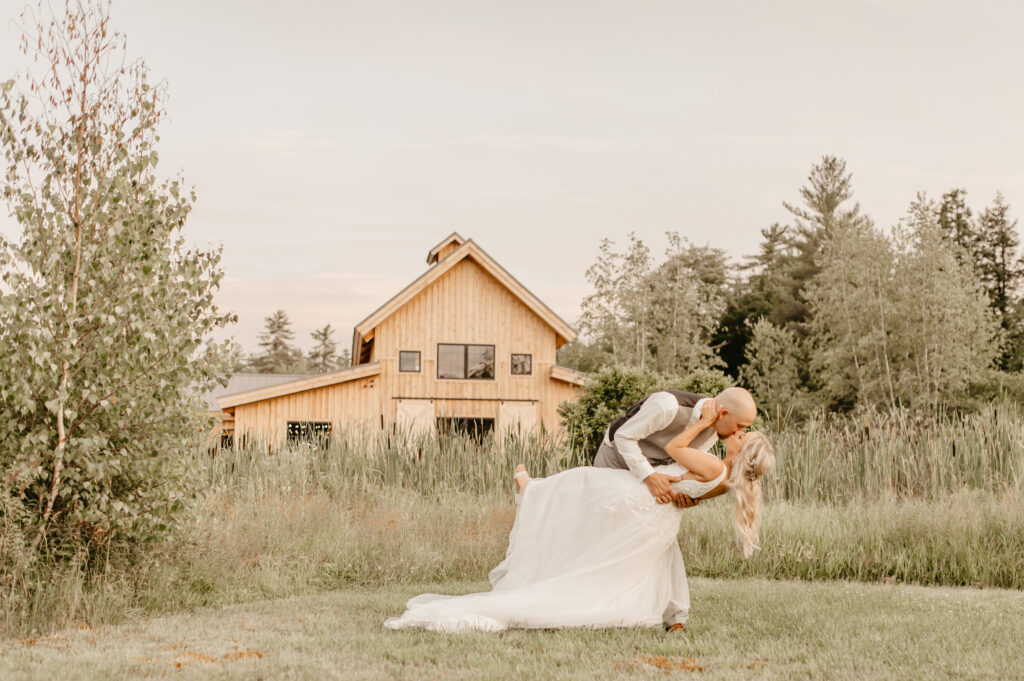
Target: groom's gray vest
x,y
652,446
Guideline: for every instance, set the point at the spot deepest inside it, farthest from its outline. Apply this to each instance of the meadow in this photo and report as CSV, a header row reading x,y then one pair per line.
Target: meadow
x,y
881,499
740,629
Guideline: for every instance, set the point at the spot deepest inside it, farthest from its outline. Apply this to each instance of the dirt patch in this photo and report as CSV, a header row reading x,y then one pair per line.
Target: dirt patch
x,y
663,663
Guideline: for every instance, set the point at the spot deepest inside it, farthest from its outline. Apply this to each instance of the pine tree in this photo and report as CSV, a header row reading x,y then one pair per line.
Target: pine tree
x,y
829,186
757,296
772,369
999,264
1001,270
323,357
278,355
955,224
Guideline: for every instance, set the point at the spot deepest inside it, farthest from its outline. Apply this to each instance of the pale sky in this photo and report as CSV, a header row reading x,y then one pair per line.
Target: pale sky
x,y
332,144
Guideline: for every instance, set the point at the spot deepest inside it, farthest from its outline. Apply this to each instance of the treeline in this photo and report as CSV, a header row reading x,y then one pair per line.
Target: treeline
x,y
277,354
832,312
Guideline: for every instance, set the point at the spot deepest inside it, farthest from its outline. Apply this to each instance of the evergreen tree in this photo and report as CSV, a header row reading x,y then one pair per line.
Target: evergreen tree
x,y
323,357
829,186
772,370
278,356
787,263
956,226
758,295
998,262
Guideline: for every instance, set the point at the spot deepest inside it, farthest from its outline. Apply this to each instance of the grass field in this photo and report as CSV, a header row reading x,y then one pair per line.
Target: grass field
x,y
876,498
739,629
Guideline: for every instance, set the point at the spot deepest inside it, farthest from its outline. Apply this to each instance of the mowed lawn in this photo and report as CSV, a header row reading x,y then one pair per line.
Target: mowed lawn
x,y
739,629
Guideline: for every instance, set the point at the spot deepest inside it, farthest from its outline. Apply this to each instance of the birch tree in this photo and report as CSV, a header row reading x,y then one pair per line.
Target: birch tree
x,y
947,334
687,299
901,322
852,317
106,314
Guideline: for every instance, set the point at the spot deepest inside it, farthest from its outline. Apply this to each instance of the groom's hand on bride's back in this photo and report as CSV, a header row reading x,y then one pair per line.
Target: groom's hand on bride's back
x,y
660,486
683,501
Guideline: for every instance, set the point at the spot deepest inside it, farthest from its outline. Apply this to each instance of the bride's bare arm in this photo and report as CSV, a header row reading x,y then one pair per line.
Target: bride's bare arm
x,y
701,465
704,467
708,416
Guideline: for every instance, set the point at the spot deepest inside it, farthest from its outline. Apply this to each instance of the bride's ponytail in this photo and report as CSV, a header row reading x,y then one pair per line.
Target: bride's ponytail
x,y
755,460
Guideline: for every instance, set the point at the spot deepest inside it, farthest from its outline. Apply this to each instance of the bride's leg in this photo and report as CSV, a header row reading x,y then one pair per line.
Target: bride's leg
x,y
522,478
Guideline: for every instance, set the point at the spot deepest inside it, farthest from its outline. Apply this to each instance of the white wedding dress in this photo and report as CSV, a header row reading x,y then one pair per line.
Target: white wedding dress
x,y
590,547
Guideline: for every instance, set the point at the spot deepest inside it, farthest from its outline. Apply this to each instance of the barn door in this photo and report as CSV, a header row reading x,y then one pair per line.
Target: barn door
x,y
416,415
517,417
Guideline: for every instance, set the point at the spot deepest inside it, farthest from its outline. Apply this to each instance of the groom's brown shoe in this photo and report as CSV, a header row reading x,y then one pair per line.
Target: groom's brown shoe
x,y
678,626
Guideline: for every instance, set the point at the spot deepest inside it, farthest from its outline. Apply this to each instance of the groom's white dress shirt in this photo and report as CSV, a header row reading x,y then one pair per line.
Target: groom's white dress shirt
x,y
656,413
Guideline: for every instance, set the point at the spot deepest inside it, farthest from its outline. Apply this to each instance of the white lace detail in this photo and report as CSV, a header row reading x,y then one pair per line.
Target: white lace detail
x,y
691,488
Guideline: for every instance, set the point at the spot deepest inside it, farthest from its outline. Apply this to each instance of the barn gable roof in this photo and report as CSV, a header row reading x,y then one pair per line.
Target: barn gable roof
x,y
363,332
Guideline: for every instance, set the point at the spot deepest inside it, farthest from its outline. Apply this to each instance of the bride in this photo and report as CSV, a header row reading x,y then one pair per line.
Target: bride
x,y
590,547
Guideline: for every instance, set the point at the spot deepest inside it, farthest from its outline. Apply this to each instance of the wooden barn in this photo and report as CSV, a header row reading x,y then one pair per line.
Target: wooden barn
x,y
464,346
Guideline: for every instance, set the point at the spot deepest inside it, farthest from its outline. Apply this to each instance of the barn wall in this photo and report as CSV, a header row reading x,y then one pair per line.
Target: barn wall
x,y
468,305
356,402
464,305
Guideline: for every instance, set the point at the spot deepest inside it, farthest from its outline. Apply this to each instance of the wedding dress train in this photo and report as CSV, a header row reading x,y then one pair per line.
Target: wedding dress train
x,y
590,547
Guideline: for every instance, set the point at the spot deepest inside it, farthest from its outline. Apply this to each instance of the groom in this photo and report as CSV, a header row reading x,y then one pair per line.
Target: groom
x,y
636,440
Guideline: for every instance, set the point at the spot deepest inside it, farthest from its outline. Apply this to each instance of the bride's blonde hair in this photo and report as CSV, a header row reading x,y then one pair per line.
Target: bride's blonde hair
x,y
754,461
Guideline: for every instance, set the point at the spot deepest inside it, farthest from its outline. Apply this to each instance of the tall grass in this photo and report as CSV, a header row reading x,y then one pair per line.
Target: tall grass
x,y
876,497
827,459
370,459
878,455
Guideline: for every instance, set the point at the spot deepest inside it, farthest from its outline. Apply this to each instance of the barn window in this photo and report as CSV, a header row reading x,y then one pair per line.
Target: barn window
x,y
457,360
409,360
475,428
308,431
522,364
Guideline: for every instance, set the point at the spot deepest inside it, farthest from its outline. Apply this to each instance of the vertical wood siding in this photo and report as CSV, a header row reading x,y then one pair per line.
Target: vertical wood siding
x,y
465,305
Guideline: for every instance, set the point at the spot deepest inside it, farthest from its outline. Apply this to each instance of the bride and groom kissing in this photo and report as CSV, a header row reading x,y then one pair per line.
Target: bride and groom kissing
x,y
596,546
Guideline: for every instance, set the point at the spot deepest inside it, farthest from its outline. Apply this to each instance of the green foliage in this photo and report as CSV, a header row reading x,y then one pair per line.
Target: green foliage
x,y
608,394
583,357
787,264
611,391
105,314
654,318
703,382
885,312
772,371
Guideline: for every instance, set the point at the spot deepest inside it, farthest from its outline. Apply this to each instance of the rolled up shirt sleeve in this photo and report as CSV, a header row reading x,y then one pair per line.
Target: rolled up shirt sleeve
x,y
655,414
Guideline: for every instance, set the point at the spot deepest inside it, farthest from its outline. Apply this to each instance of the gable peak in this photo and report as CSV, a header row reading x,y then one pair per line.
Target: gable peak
x,y
446,246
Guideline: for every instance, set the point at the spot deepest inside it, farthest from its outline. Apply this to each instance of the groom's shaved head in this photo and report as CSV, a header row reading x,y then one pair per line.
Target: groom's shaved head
x,y
741,410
